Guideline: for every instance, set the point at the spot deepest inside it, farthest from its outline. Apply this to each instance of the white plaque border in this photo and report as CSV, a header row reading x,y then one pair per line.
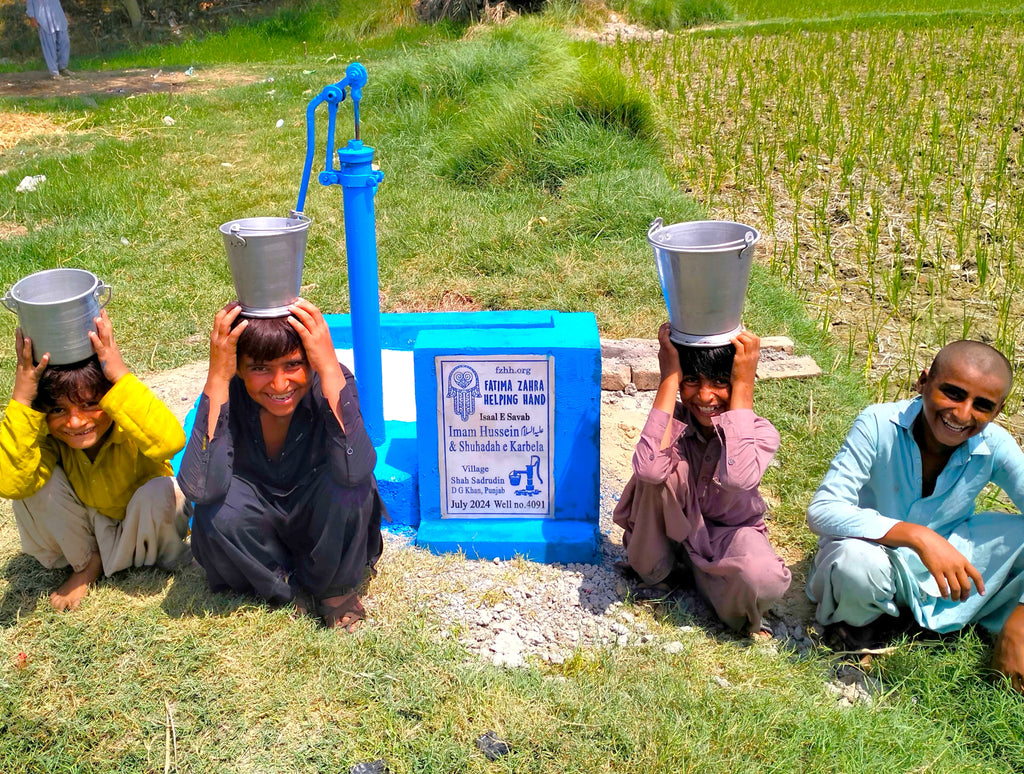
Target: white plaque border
x,y
442,460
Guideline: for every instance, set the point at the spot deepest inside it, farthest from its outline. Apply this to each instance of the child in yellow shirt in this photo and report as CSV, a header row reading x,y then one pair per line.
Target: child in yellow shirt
x,y
84,454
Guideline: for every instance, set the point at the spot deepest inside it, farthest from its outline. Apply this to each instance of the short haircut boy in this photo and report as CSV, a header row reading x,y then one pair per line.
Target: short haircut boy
x,y
267,338
81,383
896,515
712,362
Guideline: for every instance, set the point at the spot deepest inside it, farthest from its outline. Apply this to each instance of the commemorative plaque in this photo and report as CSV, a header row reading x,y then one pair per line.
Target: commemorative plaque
x,y
495,439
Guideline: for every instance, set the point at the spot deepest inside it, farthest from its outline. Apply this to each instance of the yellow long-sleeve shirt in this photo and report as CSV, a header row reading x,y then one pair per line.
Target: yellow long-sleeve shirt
x,y
144,437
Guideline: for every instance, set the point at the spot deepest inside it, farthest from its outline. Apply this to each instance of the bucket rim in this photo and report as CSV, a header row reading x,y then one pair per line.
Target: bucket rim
x,y
738,244
704,339
96,283
247,227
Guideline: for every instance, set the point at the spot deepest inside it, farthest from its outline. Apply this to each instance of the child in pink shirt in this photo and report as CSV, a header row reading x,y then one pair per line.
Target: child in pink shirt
x,y
693,496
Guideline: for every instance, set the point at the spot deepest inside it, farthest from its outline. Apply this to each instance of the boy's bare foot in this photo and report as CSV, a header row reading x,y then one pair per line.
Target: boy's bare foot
x,y
71,593
1008,653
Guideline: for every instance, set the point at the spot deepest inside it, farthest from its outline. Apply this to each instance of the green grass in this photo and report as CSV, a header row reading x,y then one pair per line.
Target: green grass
x,y
248,689
522,171
815,10
675,14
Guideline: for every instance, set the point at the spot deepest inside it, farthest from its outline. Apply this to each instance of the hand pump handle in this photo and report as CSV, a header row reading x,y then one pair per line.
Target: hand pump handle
x,y
333,95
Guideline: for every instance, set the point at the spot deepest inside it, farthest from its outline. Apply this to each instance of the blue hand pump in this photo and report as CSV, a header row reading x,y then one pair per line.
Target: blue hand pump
x,y
359,181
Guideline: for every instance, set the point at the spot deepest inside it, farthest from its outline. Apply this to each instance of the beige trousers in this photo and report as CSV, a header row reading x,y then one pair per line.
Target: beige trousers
x,y
58,529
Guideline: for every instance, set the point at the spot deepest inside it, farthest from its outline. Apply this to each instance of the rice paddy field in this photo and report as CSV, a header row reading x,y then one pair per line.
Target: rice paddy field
x,y
882,164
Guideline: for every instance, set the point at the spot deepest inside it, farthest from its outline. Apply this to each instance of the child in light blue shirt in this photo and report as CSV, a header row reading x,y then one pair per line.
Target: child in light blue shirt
x,y
896,516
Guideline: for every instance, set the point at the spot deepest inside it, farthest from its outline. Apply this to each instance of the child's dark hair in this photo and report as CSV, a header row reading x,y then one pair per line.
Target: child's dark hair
x,y
267,338
710,362
81,383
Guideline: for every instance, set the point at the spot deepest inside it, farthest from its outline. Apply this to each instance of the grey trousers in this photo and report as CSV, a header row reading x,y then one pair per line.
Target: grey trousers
x,y
58,530
56,49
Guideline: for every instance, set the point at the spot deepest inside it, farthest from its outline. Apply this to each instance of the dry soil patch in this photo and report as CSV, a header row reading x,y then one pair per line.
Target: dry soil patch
x,y
119,82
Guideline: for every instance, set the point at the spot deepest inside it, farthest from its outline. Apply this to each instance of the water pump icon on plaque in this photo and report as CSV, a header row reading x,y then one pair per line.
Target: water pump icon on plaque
x,y
495,444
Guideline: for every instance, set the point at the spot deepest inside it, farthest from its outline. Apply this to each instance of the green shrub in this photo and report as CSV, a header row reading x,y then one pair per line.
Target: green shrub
x,y
677,14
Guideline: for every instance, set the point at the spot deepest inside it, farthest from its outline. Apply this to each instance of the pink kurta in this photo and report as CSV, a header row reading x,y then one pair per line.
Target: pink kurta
x,y
701,496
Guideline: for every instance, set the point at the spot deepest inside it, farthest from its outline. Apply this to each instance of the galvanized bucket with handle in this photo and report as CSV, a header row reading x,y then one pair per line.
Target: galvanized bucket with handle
x,y
56,309
704,268
266,257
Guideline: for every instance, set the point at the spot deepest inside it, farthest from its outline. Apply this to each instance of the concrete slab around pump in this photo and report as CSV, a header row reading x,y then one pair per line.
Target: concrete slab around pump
x,y
397,458
397,470
472,492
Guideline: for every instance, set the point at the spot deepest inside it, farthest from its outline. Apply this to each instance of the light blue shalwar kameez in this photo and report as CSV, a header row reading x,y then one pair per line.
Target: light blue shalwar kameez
x,y
873,483
53,32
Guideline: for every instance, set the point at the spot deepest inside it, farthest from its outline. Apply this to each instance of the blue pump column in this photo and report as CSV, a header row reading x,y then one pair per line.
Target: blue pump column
x,y
359,184
359,181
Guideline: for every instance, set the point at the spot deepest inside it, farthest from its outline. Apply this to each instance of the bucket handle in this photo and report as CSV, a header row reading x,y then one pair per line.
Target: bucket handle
x,y
742,244
236,239
10,302
103,289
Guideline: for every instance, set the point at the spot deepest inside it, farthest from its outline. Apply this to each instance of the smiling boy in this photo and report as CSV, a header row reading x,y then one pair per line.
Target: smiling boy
x,y
84,454
693,498
281,468
896,516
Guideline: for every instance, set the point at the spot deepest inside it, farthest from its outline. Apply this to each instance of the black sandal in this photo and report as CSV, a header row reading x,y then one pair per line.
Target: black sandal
x,y
349,608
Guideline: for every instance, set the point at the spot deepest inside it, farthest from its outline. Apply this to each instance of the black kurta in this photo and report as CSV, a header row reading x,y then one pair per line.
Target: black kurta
x,y
309,519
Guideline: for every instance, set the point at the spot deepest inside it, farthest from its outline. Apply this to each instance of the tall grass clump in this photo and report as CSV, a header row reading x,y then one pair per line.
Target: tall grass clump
x,y
564,114
675,15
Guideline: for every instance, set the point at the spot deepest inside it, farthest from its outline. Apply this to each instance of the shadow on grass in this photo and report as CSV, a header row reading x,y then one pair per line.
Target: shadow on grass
x,y
27,582
681,604
190,595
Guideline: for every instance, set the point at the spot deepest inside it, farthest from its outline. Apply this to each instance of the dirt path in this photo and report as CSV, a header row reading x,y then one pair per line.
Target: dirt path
x,y
18,125
120,82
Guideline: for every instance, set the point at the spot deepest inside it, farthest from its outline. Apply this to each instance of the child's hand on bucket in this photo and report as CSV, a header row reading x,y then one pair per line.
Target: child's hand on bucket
x,y
106,348
668,355
308,321
27,374
224,343
744,369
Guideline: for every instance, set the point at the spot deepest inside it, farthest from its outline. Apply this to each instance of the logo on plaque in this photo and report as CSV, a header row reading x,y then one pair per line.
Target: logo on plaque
x,y
463,387
495,443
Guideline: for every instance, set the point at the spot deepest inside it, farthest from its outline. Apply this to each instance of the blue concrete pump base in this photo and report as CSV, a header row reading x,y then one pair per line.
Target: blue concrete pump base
x,y
541,540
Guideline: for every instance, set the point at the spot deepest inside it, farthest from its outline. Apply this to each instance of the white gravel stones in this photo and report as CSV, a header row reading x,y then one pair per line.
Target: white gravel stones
x,y
507,649
510,612
853,686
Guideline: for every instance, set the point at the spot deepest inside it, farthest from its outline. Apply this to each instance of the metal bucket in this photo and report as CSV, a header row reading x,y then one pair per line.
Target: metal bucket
x,y
56,309
704,268
265,256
